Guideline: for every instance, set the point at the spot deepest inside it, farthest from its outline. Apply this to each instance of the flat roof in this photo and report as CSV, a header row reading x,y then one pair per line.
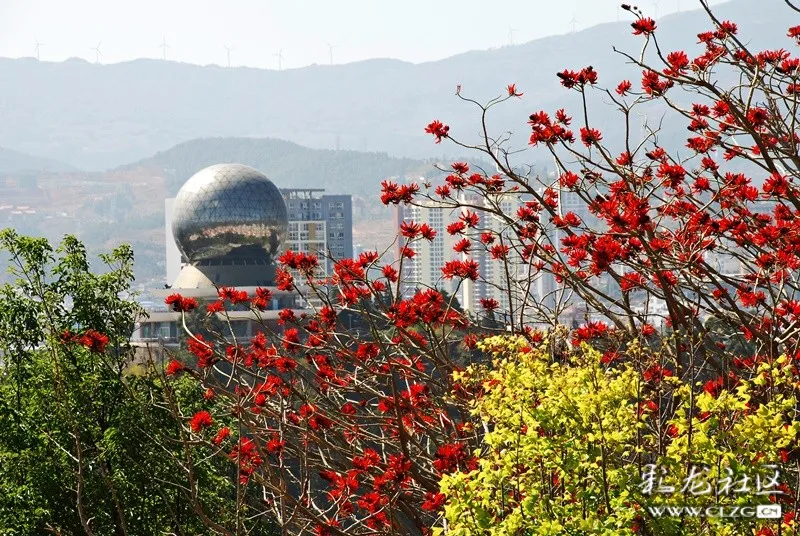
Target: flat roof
x,y
172,316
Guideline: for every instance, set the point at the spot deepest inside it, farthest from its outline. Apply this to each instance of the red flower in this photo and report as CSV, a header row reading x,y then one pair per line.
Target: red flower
x,y
390,273
181,304
262,299
725,29
590,136
286,315
223,433
588,331
433,501
461,269
462,246
570,79
233,295
499,251
201,420
291,339
512,91
438,129
653,85
407,252
623,88
215,307
284,280
470,219
630,281
304,262
460,167
451,457
606,250
275,444
794,33
456,227
202,350
94,341
776,185
174,368
427,232
409,229
656,374
678,62
568,179
490,304
714,387
644,25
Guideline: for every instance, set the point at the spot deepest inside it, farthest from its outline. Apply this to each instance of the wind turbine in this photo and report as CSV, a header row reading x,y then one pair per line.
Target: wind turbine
x,y
36,47
330,51
511,35
279,55
163,46
97,53
655,9
228,50
573,22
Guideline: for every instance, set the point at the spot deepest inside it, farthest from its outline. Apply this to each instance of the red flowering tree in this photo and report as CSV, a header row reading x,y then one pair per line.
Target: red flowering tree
x,y
681,265
336,429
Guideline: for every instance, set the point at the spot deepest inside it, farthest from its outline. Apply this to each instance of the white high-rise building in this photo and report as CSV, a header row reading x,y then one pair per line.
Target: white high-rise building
x,y
174,261
424,270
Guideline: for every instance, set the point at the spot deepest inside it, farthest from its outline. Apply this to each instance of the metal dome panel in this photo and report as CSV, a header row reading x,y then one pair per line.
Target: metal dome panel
x,y
229,212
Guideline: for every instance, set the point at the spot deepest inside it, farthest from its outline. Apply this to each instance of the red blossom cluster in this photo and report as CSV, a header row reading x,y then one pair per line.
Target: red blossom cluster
x,y
643,26
393,194
91,339
180,303
438,130
578,79
200,421
305,263
547,131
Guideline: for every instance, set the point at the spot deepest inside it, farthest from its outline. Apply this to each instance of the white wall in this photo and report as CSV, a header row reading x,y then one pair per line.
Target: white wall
x,y
173,253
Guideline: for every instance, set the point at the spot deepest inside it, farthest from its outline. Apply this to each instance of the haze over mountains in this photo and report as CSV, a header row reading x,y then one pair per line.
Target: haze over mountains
x,y
17,162
103,116
287,164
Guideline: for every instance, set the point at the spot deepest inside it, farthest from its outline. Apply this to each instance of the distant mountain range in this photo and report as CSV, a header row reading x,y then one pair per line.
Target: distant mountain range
x,y
285,163
101,116
17,162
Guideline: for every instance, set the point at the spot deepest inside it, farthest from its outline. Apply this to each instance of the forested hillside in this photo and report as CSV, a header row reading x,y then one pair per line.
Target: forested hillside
x,y
289,165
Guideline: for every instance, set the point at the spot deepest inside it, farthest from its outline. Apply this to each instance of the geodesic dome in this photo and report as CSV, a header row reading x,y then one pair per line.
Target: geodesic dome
x,y
229,212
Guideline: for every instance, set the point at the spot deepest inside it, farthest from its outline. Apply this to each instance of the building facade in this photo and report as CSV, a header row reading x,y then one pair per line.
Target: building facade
x,y
424,269
319,223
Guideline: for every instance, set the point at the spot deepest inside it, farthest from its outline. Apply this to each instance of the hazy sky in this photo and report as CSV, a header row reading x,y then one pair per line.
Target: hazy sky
x,y
197,31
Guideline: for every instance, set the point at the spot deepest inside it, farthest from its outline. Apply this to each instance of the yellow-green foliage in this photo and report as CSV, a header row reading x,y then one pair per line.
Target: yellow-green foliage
x,y
567,444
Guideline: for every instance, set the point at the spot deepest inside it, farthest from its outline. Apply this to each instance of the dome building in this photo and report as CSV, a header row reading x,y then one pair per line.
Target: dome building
x,y
230,224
